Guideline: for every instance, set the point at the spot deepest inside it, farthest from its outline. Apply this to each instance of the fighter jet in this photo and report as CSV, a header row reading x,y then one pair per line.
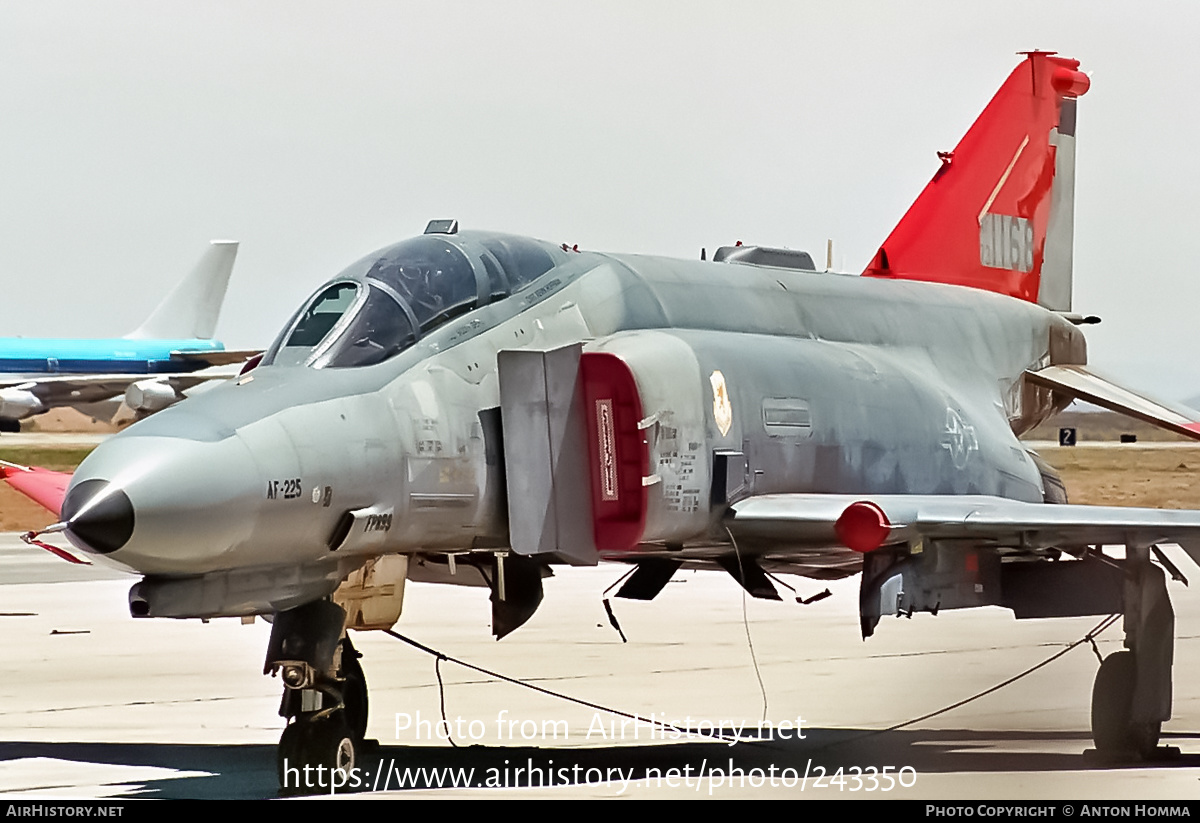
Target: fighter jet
x,y
474,408
152,366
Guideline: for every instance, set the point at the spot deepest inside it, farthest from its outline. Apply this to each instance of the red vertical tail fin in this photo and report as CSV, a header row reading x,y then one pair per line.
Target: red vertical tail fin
x,y
999,213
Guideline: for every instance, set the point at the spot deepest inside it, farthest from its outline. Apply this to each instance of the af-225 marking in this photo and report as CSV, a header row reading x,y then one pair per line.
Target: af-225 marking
x,y
287,489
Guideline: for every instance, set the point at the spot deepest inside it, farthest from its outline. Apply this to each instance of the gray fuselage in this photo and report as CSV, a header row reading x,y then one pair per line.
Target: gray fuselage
x,y
835,383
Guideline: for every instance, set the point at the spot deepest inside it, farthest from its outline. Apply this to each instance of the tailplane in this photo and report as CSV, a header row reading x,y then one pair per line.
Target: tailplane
x,y
999,213
190,311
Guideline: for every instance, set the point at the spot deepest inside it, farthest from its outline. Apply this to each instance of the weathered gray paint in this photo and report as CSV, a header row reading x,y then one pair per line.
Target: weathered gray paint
x,y
905,383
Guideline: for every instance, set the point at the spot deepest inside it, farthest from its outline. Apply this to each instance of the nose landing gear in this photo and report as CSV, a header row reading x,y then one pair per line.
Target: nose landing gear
x,y
324,699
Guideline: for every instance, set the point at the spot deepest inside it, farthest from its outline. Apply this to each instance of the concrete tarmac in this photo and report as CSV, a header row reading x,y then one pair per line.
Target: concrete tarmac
x,y
96,704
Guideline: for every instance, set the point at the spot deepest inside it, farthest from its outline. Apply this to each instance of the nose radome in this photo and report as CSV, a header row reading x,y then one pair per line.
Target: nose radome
x,y
99,516
169,505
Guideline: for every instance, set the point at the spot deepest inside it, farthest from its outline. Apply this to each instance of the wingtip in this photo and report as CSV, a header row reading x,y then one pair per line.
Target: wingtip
x,y
7,469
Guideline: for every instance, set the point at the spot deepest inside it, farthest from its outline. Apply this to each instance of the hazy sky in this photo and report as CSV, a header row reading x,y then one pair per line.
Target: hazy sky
x,y
132,133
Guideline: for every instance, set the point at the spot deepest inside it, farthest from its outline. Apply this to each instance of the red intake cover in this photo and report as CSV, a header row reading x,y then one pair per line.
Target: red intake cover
x,y
619,456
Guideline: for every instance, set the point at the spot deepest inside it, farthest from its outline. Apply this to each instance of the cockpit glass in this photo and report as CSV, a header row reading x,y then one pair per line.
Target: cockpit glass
x,y
523,260
378,330
322,314
316,321
387,301
432,276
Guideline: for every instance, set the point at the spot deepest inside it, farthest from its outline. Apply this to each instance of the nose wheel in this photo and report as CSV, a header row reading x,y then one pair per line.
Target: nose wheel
x,y
328,741
324,699
317,752
354,691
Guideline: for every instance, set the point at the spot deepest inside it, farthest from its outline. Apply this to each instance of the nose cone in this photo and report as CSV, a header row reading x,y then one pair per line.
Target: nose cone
x,y
164,505
98,515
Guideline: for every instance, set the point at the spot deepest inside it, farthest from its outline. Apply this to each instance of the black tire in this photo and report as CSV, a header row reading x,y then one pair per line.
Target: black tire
x,y
332,744
1113,726
289,759
316,741
354,692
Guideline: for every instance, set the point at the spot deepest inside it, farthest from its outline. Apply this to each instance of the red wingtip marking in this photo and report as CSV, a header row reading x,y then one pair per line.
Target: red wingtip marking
x,y
862,527
42,486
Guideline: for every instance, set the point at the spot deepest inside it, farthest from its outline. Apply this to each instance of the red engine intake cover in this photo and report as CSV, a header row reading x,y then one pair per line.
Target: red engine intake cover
x,y
619,456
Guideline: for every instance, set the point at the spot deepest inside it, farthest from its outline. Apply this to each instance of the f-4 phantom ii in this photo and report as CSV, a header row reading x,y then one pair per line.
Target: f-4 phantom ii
x,y
152,365
469,407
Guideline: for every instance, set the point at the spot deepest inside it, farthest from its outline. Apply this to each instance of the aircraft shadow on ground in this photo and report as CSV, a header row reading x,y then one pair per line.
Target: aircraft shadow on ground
x,y
249,771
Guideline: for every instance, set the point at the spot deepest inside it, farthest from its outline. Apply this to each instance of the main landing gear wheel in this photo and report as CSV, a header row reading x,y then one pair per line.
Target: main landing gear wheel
x,y
1115,731
324,743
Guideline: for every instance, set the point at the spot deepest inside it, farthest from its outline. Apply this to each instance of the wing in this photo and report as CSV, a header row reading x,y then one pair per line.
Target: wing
x,y
224,357
864,523
1080,383
42,486
827,536
32,395
70,389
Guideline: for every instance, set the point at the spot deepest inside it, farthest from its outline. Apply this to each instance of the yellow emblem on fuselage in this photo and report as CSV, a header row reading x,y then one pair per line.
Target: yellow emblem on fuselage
x,y
722,408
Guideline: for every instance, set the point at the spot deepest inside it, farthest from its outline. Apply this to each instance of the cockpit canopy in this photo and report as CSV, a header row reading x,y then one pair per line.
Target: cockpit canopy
x,y
390,299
